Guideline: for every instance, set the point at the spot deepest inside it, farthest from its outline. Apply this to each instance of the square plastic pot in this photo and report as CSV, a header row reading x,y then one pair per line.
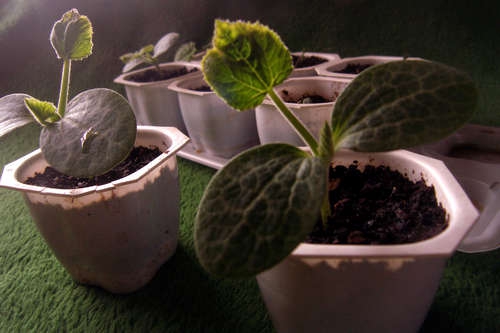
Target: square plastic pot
x,y
213,126
116,235
329,58
153,103
273,127
369,288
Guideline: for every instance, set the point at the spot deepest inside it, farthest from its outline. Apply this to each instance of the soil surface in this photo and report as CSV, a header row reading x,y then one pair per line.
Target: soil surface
x,y
306,61
202,88
306,98
138,157
152,75
353,69
378,206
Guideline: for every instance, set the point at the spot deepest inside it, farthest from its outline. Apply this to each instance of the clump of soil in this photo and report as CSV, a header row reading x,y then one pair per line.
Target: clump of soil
x,y
152,75
353,69
378,206
306,61
307,98
138,157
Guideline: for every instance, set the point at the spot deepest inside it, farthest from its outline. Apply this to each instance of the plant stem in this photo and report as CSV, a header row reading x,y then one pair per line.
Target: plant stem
x,y
63,91
301,130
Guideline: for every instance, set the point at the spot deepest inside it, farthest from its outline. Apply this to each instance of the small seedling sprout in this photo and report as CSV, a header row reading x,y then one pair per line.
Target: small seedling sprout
x,y
86,136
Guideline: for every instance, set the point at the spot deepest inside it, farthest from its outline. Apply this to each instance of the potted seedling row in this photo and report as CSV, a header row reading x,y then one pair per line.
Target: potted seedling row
x,y
273,211
310,99
213,126
102,191
147,88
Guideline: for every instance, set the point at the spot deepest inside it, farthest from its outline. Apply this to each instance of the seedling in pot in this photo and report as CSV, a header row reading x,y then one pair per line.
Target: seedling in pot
x,y
150,54
265,201
86,136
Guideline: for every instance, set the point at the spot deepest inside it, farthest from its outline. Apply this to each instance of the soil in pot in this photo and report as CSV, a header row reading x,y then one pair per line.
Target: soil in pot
x,y
203,88
152,75
306,61
307,98
353,69
138,157
378,206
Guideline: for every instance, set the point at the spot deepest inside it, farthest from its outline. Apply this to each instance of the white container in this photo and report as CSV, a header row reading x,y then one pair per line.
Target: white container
x,y
153,103
213,126
273,127
330,58
115,235
369,288
331,69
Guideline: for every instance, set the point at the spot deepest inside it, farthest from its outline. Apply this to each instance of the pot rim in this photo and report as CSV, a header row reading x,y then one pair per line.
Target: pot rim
x,y
461,216
123,78
169,136
178,85
305,80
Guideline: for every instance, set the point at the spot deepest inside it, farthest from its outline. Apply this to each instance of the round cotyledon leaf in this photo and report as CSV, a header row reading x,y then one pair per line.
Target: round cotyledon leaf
x,y
97,132
257,209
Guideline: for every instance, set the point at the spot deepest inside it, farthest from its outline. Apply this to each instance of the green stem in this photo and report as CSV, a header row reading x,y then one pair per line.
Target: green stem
x,y
63,92
295,122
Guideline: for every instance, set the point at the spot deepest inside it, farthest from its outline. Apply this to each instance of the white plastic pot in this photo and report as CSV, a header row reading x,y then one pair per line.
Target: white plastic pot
x,y
369,288
116,235
329,69
213,126
153,103
273,127
330,58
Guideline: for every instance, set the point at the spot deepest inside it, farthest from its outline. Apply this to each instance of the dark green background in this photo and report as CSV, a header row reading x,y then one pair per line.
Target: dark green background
x,y
36,293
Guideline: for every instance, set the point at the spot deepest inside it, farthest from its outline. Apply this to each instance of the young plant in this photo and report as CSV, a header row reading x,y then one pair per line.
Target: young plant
x,y
93,132
265,201
150,54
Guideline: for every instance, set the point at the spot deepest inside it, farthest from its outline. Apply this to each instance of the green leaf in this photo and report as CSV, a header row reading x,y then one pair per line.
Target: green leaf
x,y
13,113
402,104
165,43
71,36
45,113
97,132
185,52
247,60
257,209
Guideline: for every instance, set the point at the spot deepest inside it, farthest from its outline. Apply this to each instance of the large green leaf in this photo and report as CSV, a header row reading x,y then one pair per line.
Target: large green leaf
x,y
13,113
402,104
257,209
71,36
246,62
97,132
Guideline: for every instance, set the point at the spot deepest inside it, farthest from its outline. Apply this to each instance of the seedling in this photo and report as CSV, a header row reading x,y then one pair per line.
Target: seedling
x,y
93,132
150,54
265,201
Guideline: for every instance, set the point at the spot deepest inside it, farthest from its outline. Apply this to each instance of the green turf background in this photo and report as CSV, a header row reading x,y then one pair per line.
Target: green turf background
x,y
37,295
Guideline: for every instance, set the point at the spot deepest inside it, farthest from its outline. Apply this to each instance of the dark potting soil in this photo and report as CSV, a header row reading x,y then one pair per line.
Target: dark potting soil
x,y
306,98
138,157
152,75
353,69
202,88
306,61
378,206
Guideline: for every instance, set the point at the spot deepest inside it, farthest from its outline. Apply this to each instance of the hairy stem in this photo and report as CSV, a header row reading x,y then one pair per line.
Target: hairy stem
x,y
301,130
63,92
